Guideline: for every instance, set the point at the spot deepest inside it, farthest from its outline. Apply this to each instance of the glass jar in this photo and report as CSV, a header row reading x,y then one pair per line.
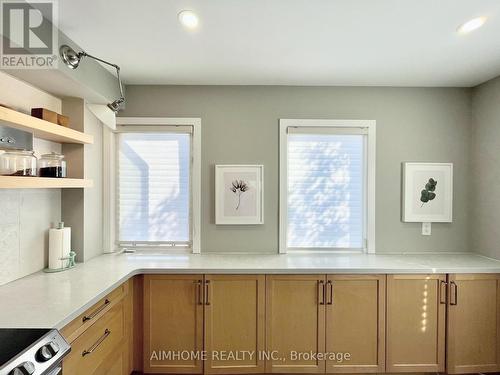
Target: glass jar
x,y
18,163
52,165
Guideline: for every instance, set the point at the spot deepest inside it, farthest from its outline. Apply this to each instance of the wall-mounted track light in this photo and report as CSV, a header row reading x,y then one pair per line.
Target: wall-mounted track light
x,y
72,60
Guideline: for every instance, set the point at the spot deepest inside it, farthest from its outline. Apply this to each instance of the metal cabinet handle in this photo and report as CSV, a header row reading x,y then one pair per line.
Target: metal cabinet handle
x,y
330,292
321,292
90,350
443,292
199,294
454,300
96,312
207,295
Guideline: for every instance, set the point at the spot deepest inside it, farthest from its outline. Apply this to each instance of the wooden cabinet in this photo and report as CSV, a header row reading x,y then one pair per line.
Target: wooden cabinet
x,y
91,352
295,322
473,323
186,316
113,364
173,324
278,323
100,337
234,323
416,308
85,320
355,323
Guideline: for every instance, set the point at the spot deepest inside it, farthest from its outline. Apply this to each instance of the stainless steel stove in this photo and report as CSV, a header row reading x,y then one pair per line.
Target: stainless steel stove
x,y
31,351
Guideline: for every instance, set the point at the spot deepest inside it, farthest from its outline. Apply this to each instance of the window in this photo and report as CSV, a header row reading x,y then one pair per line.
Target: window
x,y
157,186
327,185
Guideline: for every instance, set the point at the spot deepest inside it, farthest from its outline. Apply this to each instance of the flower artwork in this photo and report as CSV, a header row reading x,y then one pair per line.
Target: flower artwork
x,y
238,187
239,194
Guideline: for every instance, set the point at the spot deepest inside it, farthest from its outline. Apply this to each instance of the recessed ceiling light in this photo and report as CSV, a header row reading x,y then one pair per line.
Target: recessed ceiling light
x,y
188,19
471,25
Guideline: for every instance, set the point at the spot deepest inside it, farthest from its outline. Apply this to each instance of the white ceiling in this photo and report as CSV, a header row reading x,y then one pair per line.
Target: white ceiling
x,y
291,42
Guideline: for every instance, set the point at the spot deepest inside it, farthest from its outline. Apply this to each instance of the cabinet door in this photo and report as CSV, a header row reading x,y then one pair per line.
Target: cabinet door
x,y
473,323
295,323
234,323
173,324
355,323
416,308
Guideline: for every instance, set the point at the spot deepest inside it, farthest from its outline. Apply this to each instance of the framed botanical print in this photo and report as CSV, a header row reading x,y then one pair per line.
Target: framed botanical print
x,y
427,192
239,194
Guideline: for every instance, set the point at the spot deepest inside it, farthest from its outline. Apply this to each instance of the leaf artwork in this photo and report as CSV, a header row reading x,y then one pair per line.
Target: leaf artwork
x,y
238,187
428,193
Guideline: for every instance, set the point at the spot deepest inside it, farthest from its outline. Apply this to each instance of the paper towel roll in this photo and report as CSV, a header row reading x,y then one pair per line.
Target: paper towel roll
x,y
59,247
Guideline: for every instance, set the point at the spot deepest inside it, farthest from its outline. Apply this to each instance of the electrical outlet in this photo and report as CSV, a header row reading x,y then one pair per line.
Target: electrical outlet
x,y
426,229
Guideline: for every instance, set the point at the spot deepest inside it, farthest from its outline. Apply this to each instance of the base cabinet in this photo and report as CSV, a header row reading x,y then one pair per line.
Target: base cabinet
x,y
113,364
416,316
370,323
173,324
234,323
100,338
295,322
194,324
355,323
473,324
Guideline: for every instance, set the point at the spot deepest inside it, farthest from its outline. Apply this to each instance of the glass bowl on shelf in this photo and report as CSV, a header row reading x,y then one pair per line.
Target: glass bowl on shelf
x,y
52,165
18,163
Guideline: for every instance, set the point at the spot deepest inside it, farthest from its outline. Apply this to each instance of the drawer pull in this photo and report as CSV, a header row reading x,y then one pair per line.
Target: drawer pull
x,y
96,312
90,350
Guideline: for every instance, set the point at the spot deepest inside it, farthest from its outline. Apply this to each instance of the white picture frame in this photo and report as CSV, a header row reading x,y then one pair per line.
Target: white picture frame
x,y
239,194
427,193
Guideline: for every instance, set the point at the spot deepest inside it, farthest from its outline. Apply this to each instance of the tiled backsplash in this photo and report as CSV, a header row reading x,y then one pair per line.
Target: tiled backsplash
x,y
26,215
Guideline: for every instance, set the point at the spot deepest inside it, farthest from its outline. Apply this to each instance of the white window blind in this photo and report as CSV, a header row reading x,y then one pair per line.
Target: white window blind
x,y
326,188
154,176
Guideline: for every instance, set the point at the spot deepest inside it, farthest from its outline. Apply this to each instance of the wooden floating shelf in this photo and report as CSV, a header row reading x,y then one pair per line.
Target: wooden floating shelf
x,y
17,182
43,129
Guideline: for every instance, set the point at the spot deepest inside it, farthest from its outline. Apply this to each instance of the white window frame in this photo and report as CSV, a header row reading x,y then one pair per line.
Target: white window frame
x,y
110,183
370,164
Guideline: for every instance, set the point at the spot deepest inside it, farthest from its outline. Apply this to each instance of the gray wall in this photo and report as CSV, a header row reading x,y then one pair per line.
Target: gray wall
x,y
485,176
240,125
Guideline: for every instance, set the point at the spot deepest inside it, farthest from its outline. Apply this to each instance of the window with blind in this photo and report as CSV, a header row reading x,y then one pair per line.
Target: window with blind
x,y
154,187
325,187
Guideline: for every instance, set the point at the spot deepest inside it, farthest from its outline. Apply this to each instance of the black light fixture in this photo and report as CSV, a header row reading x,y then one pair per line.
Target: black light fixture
x,y
72,60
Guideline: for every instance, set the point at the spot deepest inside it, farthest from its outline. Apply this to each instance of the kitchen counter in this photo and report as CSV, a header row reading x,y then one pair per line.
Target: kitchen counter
x,y
51,300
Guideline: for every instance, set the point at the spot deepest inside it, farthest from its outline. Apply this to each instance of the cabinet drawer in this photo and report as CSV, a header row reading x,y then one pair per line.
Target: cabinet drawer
x,y
76,327
94,346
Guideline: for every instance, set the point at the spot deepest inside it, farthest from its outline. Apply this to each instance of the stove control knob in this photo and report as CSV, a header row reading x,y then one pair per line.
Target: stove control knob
x,y
44,354
54,347
26,368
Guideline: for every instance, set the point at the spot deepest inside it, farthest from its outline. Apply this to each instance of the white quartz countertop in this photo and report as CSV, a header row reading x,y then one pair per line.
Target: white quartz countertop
x,y
51,300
